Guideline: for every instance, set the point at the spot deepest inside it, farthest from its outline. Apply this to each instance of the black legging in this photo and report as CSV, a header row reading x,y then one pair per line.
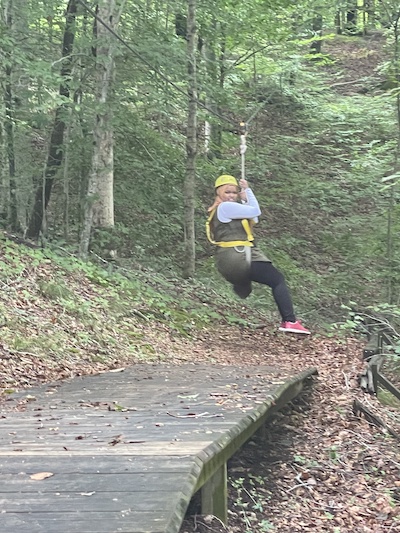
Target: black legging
x,y
267,274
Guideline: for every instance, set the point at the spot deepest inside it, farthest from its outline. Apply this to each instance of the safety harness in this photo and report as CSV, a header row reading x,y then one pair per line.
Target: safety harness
x,y
247,225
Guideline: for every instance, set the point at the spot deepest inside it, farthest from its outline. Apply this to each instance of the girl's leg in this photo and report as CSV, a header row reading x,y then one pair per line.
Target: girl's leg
x,y
267,274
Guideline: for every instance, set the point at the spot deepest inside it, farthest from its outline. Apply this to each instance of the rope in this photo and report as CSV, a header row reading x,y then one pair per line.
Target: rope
x,y
243,129
243,147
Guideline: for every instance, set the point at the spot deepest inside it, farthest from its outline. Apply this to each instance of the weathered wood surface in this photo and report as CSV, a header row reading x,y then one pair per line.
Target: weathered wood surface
x,y
127,451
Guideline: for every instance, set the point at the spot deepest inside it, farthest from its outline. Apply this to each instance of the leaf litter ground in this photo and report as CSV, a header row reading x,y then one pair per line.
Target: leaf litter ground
x,y
318,467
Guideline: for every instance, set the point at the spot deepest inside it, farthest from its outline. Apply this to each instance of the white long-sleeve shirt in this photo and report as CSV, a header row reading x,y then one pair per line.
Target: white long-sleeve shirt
x,y
228,211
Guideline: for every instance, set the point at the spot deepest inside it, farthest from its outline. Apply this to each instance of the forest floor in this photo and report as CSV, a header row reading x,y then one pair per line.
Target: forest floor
x,y
320,467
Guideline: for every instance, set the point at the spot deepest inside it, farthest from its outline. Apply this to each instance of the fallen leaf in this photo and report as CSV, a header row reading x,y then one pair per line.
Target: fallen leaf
x,y
41,475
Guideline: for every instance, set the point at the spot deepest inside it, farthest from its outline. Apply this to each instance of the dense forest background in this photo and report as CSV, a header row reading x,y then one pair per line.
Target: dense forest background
x,y
117,116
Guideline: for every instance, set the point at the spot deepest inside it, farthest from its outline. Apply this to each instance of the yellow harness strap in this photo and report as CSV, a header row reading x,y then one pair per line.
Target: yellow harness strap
x,y
230,244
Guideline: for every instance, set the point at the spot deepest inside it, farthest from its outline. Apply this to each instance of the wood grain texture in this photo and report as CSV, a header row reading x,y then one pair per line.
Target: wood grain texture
x,y
126,451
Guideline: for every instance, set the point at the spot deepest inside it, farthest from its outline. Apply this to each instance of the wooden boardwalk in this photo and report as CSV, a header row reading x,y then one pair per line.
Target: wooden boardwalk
x,y
125,452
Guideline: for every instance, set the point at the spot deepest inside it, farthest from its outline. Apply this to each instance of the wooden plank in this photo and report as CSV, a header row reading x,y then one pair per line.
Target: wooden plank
x,y
221,450
92,465
132,482
124,407
126,521
117,387
131,426
87,438
205,418
388,385
30,502
107,425
214,495
116,439
147,448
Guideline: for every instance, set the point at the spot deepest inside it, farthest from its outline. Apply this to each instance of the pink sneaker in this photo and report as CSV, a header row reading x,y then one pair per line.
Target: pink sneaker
x,y
294,327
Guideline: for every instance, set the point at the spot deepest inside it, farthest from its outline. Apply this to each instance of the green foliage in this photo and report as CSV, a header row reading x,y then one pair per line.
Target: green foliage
x,y
387,398
55,290
148,191
251,497
320,158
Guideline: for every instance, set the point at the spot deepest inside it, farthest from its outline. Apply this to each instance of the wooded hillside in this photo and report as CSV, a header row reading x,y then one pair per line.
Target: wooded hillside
x,y
118,116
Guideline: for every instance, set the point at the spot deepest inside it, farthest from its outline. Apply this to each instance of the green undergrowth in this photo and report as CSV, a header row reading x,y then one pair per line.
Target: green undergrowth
x,y
388,398
54,306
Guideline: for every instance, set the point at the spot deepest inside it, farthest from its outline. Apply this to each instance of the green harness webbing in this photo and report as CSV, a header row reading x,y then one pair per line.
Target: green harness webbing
x,y
230,244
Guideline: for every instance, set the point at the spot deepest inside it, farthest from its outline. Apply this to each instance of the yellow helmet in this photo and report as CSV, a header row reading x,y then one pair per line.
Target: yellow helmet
x,y
225,179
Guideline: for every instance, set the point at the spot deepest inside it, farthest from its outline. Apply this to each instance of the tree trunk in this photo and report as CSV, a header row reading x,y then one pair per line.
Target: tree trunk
x,y
370,15
55,155
217,131
351,18
213,131
9,132
338,22
10,199
191,144
99,208
317,31
390,241
4,179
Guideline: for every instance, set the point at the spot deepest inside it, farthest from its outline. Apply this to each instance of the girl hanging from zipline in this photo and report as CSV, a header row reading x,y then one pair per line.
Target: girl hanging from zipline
x,y
229,226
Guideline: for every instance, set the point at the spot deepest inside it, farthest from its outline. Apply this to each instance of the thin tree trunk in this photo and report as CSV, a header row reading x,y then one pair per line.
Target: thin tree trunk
x,y
351,17
99,208
66,181
9,131
217,132
4,179
191,144
389,238
213,132
317,31
56,151
9,177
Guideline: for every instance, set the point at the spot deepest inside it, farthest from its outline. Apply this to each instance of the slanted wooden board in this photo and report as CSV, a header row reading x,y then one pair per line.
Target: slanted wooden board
x,y
127,451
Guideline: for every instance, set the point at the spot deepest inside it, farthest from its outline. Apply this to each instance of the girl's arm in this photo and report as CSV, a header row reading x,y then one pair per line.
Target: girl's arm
x,y
228,211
